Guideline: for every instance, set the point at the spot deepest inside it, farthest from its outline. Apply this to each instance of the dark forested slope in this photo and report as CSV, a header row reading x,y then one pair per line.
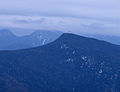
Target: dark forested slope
x,y
71,63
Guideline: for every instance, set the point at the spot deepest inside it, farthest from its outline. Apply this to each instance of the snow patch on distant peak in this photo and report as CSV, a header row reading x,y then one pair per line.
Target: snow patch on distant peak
x,y
44,41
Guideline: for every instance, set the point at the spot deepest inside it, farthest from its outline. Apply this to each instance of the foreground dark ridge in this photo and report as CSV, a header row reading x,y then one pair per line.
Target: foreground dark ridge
x,y
72,63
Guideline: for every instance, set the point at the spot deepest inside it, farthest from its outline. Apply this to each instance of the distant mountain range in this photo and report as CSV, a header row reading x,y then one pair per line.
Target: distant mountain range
x,y
9,41
112,39
38,38
71,63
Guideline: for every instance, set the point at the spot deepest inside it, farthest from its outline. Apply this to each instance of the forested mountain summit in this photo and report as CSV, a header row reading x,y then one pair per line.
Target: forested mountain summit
x,y
71,63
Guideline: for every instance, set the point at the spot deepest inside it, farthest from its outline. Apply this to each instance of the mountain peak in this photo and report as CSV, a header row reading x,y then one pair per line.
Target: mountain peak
x,y
75,37
82,42
6,32
68,35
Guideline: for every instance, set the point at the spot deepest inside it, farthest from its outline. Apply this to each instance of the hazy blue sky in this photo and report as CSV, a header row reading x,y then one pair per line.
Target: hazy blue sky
x,y
79,16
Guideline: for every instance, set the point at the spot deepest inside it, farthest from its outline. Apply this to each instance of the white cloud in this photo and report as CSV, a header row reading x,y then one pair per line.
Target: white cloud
x,y
65,24
80,16
101,9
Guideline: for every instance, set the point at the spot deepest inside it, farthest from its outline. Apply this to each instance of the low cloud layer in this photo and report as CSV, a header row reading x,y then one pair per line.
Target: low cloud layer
x,y
78,16
75,25
102,9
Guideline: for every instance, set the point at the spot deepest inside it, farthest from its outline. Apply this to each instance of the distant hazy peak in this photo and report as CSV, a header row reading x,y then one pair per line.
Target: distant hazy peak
x,y
6,33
